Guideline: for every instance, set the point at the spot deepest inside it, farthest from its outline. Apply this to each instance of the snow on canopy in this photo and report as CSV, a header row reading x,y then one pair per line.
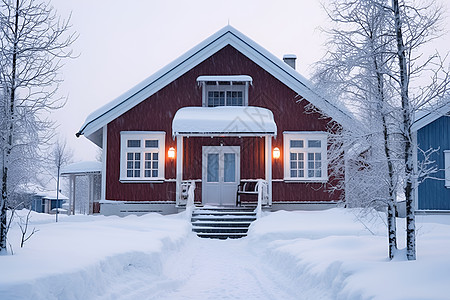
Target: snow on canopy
x,y
228,78
228,120
82,168
51,195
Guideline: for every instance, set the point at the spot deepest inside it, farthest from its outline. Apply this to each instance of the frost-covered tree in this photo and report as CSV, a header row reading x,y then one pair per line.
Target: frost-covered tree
x,y
414,26
374,64
355,72
33,42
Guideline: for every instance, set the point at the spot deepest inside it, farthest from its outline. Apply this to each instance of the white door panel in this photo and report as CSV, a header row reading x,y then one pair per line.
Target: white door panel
x,y
220,168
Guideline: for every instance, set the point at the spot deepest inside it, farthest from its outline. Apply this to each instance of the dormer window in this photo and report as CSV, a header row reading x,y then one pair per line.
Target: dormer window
x,y
225,90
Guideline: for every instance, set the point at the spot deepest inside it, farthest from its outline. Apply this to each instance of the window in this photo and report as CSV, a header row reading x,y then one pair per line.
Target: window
x,y
305,156
142,156
447,168
223,95
225,90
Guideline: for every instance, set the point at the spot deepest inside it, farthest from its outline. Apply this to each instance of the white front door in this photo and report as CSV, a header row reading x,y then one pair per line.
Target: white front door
x,y
220,174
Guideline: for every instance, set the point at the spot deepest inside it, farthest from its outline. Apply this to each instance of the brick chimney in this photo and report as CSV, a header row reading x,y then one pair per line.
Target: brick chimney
x,y
290,60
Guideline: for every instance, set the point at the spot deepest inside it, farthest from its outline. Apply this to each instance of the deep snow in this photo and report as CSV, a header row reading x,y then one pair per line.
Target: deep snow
x,y
333,254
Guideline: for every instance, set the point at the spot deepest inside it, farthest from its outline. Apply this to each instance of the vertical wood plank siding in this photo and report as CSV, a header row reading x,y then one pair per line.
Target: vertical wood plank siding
x,y
432,193
156,114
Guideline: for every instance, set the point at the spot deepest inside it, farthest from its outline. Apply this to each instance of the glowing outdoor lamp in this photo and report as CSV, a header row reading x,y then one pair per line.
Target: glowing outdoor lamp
x,y
276,153
171,152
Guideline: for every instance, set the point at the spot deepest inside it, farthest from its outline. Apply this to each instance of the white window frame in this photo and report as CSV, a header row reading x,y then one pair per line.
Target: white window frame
x,y
142,136
288,136
225,88
232,86
447,168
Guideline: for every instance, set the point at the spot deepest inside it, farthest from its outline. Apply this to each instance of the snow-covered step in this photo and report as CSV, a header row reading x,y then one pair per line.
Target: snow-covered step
x,y
222,223
223,213
227,218
199,229
221,235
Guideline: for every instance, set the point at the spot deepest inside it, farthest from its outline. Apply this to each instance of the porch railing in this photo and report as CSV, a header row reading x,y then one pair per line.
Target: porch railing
x,y
262,187
187,196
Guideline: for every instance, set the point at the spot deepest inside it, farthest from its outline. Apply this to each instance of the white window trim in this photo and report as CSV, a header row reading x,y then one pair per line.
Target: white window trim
x,y
305,135
234,88
142,135
447,168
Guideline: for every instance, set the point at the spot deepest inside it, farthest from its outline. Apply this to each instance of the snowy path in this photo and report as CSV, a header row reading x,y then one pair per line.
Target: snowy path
x,y
210,269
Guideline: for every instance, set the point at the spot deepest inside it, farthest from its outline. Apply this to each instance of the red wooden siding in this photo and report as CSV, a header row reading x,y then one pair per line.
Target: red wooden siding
x,y
156,114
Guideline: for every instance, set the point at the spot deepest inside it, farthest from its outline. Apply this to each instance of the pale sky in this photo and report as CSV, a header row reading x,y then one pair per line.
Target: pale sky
x,y
123,42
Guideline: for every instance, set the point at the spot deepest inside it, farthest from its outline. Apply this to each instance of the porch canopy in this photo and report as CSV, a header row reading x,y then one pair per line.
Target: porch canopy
x,y
224,121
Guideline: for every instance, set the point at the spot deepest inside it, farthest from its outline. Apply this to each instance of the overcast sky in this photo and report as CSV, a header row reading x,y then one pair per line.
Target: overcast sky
x,y
123,42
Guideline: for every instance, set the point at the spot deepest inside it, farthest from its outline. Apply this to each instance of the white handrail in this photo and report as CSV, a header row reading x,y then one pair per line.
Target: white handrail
x,y
262,187
190,186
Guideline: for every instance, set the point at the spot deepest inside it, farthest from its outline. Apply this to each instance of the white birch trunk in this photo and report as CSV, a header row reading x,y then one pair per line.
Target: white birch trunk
x,y
407,135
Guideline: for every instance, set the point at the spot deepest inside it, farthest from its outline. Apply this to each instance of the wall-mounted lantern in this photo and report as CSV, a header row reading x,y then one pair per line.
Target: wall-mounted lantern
x,y
171,152
276,153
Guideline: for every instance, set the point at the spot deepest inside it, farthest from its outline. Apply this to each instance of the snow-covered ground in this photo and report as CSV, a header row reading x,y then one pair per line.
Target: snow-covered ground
x,y
333,254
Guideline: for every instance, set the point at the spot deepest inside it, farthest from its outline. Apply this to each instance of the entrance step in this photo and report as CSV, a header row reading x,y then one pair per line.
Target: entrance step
x,y
221,222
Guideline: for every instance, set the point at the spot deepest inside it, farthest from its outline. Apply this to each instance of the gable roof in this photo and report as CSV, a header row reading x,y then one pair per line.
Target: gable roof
x,y
92,127
82,167
424,118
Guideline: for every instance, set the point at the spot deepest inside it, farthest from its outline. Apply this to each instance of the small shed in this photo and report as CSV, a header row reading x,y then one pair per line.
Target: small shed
x,y
45,202
80,175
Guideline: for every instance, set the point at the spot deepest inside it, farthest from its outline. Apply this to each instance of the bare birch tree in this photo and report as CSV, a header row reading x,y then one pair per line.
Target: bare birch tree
x,y
414,26
366,67
355,70
33,43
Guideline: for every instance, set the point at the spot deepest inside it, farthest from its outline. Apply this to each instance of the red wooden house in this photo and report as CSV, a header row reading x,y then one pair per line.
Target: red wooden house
x,y
225,113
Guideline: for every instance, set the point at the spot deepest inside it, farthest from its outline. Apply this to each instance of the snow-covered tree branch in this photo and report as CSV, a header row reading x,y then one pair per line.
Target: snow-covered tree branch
x,y
375,66
33,42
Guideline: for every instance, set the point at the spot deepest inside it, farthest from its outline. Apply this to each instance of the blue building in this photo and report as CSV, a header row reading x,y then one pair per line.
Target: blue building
x,y
46,202
432,131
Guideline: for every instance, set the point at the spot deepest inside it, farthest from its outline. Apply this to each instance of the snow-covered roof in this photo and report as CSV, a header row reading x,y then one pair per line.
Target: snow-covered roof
x,y
92,127
425,117
52,195
83,167
289,56
235,78
224,120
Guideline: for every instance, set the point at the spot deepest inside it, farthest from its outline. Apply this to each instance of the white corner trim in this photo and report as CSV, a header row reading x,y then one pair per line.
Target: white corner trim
x,y
447,168
104,156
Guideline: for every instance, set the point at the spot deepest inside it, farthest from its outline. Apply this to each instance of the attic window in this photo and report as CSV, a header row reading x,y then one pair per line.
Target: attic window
x,y
224,90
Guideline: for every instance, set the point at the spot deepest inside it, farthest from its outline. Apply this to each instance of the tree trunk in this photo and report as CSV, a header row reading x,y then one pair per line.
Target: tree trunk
x,y
10,137
406,132
391,205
